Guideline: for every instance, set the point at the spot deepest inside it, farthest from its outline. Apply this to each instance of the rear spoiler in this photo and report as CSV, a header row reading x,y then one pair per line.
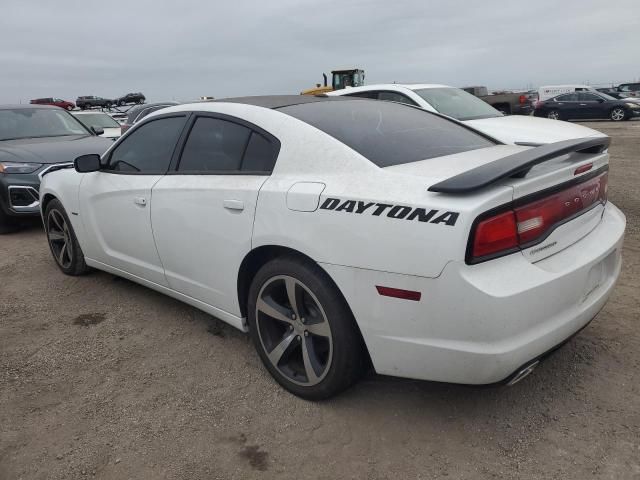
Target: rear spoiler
x,y
517,165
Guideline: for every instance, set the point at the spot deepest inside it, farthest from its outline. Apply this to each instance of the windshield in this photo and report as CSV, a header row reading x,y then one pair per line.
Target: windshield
x,y
457,103
388,133
97,120
38,122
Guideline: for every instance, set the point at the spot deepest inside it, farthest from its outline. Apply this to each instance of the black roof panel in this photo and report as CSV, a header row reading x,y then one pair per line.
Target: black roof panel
x,y
280,101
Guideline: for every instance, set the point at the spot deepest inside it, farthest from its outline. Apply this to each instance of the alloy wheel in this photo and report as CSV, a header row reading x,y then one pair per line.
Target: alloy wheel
x,y
554,115
617,114
59,238
293,330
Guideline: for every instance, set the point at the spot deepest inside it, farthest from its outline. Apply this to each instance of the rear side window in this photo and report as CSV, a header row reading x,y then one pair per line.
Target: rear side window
x,y
149,148
568,97
395,97
260,155
220,146
214,145
388,133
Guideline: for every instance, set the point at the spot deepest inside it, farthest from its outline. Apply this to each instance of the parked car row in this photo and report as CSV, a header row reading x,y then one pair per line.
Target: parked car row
x,y
92,101
342,232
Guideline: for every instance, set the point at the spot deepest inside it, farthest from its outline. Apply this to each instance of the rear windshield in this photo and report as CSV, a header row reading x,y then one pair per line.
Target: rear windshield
x,y
388,133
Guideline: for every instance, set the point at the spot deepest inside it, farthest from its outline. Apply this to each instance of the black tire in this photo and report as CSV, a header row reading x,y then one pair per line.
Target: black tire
x,y
554,114
618,114
71,263
7,223
347,358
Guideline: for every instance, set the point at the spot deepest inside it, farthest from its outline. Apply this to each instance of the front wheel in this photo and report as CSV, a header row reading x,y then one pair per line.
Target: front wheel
x,y
62,240
618,114
69,107
303,329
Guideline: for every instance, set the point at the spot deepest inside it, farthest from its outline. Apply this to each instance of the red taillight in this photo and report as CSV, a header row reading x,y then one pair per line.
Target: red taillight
x,y
495,234
538,104
523,99
523,226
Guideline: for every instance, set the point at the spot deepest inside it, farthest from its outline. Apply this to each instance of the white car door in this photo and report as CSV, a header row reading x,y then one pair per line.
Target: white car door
x,y
203,211
115,203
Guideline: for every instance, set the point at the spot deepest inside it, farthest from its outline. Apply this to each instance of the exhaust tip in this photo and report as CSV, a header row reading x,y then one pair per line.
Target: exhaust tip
x,y
522,373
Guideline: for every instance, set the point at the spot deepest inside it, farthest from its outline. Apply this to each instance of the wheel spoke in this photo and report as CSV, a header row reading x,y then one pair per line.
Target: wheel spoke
x,y
276,354
61,254
55,236
273,310
54,218
310,359
292,293
321,328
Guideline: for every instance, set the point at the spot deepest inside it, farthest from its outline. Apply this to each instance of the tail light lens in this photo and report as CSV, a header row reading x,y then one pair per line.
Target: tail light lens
x,y
522,99
522,226
538,104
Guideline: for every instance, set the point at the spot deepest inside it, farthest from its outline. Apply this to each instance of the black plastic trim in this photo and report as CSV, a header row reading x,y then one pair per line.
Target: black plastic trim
x,y
517,164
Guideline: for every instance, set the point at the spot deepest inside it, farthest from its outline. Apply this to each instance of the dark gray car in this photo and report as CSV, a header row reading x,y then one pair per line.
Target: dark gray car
x,y
34,140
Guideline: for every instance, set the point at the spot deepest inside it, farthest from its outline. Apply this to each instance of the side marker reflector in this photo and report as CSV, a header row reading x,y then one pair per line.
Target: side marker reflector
x,y
583,168
399,293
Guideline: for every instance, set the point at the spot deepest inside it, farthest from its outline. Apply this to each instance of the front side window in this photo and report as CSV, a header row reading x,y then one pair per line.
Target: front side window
x,y
458,104
588,97
388,133
38,122
568,97
149,148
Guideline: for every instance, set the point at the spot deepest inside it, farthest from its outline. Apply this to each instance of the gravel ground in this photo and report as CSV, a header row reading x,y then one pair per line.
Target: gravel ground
x,y
102,378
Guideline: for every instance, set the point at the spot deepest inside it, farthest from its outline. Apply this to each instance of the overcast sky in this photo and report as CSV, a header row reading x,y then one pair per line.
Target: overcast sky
x,y
182,49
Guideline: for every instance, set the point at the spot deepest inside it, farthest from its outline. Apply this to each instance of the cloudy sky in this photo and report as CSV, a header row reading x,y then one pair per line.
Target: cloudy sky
x,y
182,49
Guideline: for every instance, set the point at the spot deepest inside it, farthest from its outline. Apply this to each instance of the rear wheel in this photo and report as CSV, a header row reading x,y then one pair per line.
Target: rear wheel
x,y
617,114
62,240
554,115
141,101
303,330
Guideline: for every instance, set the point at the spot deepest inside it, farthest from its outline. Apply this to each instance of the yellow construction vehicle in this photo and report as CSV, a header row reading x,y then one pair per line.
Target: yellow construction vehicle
x,y
349,77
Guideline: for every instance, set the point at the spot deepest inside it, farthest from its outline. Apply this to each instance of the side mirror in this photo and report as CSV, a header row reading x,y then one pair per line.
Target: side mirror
x,y
97,130
87,163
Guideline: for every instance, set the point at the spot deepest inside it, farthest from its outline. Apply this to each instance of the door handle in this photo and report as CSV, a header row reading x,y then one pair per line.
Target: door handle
x,y
140,201
233,204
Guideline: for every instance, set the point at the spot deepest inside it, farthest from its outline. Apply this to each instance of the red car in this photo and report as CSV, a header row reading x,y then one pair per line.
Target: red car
x,y
57,102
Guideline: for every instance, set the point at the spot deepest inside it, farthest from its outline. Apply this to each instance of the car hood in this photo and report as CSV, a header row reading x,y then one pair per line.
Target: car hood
x,y
513,129
52,149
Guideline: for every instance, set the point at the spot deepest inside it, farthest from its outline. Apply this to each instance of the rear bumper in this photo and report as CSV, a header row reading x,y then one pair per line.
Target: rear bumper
x,y
478,324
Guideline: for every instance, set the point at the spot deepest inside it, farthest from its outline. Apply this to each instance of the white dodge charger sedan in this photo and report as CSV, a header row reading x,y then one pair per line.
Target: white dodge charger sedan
x,y
346,232
456,103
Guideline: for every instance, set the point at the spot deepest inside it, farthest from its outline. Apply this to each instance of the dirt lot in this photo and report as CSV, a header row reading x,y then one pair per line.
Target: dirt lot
x,y
102,378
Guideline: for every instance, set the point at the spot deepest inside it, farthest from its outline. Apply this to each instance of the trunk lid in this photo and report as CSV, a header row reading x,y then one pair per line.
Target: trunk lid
x,y
560,177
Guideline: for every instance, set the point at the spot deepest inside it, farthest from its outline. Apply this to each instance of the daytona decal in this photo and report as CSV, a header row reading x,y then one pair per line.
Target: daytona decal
x,y
401,212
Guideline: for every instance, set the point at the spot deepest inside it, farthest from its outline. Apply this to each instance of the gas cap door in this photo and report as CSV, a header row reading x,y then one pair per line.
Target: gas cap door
x,y
304,196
